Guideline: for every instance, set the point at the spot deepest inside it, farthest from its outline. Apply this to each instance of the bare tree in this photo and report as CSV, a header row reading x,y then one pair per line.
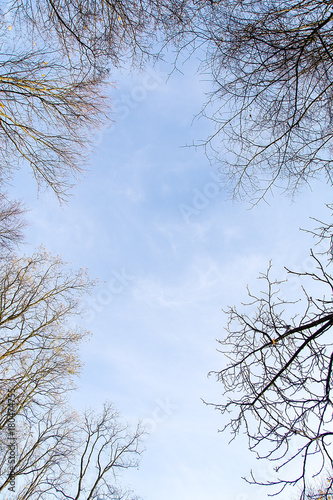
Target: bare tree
x,y
272,68
271,64
65,455
48,111
12,223
46,448
52,92
97,34
34,446
106,447
38,346
322,490
278,378
323,234
38,359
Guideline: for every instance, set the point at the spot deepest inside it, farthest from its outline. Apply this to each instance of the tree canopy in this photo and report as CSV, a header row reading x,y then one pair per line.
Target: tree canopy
x,y
271,67
58,453
54,74
278,378
270,64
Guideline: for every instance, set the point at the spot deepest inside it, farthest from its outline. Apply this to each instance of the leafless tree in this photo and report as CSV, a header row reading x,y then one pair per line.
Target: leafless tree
x,y
38,346
323,234
58,454
12,223
272,67
98,34
106,447
53,71
47,115
38,358
278,378
271,64
61,454
322,490
40,443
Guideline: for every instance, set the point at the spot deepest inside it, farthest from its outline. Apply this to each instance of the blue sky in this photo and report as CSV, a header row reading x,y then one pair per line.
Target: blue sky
x,y
151,220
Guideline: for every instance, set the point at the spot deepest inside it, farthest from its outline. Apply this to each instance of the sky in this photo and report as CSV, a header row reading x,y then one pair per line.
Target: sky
x,y
152,221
